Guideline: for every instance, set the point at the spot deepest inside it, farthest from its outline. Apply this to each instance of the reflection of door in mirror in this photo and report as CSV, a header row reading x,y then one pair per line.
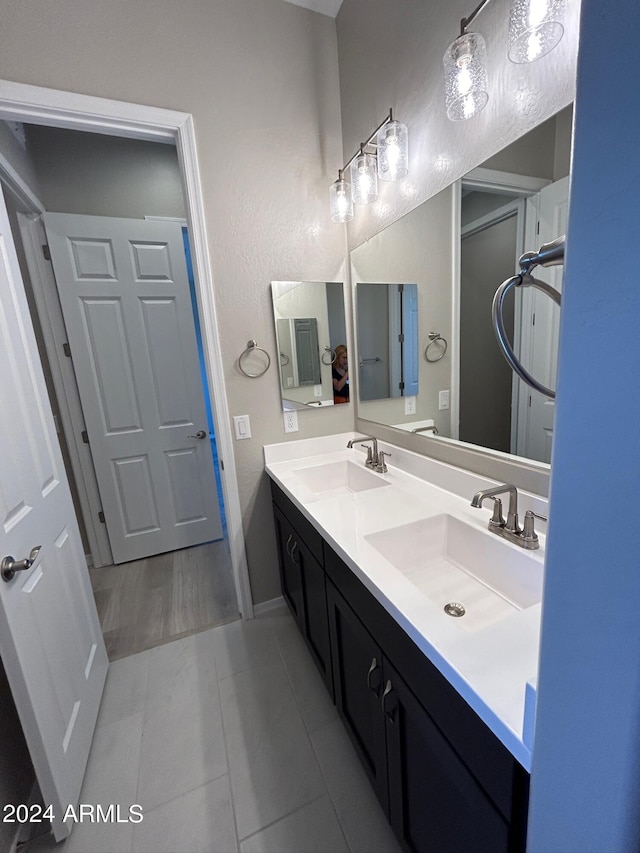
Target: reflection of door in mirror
x,y
488,253
387,317
497,409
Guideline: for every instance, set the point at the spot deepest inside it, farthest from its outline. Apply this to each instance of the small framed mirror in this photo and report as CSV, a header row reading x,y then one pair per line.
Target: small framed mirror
x,y
311,338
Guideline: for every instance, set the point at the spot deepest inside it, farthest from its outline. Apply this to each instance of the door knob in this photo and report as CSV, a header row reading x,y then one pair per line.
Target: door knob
x,y
200,434
9,566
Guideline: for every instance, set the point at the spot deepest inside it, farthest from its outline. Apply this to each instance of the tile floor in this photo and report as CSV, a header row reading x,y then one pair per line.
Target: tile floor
x,y
229,742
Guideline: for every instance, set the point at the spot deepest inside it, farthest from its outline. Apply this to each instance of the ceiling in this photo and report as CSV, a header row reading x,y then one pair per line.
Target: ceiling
x,y
325,7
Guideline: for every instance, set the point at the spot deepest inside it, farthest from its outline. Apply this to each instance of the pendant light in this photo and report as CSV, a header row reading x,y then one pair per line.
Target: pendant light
x,y
340,201
465,76
392,141
535,28
364,178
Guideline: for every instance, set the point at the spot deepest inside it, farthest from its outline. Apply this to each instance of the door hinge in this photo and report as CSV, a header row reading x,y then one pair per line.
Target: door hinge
x,y
66,349
401,386
85,437
401,338
221,463
538,227
101,517
46,252
533,319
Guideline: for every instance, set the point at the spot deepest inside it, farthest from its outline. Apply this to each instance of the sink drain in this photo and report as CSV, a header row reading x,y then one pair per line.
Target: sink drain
x,y
453,608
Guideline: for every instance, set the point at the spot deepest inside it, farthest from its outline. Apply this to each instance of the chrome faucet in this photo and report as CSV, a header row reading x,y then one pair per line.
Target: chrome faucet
x,y
432,428
510,529
372,452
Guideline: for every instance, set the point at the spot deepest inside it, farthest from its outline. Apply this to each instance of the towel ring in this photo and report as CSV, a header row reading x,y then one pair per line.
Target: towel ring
x,y
521,280
284,359
331,353
251,347
434,338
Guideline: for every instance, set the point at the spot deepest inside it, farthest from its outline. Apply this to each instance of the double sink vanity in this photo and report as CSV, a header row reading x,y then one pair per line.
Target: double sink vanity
x,y
424,625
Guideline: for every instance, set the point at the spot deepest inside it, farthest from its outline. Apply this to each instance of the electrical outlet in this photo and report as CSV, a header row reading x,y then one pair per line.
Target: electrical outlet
x,y
290,421
443,400
410,405
317,390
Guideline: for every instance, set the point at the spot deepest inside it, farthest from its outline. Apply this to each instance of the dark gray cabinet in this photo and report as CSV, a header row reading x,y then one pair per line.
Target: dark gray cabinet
x,y
444,780
303,582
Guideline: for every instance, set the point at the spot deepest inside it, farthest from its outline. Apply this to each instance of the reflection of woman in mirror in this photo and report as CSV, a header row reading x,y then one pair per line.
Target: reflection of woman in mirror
x,y
340,374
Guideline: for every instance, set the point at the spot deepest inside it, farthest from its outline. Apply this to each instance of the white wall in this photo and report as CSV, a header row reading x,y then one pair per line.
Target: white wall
x,y
260,78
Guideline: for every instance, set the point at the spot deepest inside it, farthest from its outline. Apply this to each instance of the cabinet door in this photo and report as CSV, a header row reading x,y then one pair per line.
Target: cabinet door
x,y
290,573
435,804
357,678
314,592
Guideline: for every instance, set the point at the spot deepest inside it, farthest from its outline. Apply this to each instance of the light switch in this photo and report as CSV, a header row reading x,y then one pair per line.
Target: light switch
x,y
410,405
242,426
443,400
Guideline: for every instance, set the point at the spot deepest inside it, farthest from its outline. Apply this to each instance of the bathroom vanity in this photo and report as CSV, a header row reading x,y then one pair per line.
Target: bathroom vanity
x,y
434,704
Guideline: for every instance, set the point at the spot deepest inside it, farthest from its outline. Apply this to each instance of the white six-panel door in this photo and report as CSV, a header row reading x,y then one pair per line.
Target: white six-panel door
x,y
50,638
126,303
540,347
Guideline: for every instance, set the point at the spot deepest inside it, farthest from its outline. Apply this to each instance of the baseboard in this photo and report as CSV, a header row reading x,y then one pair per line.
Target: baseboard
x,y
268,606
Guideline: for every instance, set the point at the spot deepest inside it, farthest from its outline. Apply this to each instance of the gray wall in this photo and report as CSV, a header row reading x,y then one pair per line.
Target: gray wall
x,y
260,78
99,175
391,56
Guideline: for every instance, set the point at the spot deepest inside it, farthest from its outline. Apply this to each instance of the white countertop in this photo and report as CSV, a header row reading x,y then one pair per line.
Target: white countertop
x,y
489,667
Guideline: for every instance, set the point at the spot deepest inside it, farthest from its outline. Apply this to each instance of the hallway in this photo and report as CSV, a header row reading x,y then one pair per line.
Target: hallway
x,y
145,603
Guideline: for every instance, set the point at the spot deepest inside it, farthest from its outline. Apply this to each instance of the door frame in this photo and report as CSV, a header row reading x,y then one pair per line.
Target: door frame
x,y
51,107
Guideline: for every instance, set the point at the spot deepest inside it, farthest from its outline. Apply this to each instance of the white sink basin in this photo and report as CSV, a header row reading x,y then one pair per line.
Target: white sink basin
x,y
451,561
344,476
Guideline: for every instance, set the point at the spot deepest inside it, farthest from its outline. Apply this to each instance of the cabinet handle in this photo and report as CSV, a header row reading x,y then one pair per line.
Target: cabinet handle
x,y
374,666
288,542
390,713
293,548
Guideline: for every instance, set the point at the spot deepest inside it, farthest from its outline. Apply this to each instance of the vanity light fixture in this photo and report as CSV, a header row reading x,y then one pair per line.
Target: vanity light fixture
x,y
465,72
384,155
535,28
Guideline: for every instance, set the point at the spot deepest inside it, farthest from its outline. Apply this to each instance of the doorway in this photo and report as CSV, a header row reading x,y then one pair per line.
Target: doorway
x,y
47,107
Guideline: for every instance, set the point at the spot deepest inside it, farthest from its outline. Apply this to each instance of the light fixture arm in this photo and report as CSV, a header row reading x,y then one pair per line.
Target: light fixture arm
x,y
466,22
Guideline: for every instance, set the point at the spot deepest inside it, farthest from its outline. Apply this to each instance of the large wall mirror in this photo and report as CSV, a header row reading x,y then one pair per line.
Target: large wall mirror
x,y
310,334
456,249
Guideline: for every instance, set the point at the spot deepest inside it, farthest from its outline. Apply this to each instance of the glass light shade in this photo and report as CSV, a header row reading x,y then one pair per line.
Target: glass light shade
x,y
392,142
341,204
535,28
364,179
465,76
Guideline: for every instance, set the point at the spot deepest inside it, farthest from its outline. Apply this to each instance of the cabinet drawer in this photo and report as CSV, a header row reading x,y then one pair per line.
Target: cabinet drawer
x,y
304,528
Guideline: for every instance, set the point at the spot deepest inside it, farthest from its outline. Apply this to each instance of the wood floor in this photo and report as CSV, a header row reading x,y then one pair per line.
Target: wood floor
x,y
148,602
